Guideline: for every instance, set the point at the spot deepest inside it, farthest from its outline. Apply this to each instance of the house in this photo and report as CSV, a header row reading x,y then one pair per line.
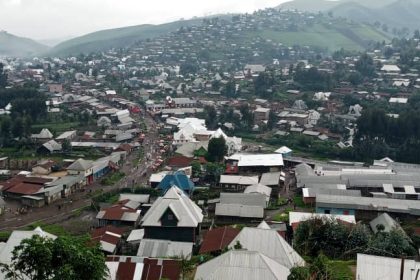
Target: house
x,y
189,150
261,114
376,267
173,217
178,179
269,243
217,239
15,239
154,248
390,69
139,198
242,265
284,151
365,207
237,183
43,168
50,147
118,215
261,189
82,167
272,179
241,207
137,268
108,237
179,162
257,163
70,184
45,134
68,135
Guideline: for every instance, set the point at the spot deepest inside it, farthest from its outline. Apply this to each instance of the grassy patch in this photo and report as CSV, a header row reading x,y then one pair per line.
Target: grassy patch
x,y
342,269
57,127
298,201
4,235
52,228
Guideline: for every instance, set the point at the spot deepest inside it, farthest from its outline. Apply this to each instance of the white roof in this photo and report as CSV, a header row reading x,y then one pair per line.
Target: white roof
x,y
158,177
384,268
238,180
15,239
135,235
242,265
258,188
66,135
297,217
390,68
186,211
239,210
269,243
155,248
263,225
283,150
399,100
258,159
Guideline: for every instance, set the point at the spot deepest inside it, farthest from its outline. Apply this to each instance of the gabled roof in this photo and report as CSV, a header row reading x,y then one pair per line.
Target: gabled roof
x,y
242,265
189,214
80,165
386,220
218,239
178,179
259,188
15,239
119,213
269,243
108,237
164,248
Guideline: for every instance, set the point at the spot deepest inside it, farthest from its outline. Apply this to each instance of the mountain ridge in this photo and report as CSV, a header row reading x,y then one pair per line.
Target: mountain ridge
x,y
12,45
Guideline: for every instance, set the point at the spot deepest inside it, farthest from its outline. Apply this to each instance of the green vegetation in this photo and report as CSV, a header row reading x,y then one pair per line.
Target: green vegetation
x,y
116,38
41,258
50,228
112,179
346,36
4,235
57,127
343,241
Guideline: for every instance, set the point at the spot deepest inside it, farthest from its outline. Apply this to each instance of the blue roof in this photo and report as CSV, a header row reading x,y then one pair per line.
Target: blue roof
x,y
178,179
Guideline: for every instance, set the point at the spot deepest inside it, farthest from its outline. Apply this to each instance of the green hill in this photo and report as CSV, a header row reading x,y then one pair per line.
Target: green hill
x,y
11,45
394,13
116,38
351,37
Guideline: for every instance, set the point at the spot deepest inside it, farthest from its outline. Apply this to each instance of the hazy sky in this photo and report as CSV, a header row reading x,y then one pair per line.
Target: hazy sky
x,y
50,19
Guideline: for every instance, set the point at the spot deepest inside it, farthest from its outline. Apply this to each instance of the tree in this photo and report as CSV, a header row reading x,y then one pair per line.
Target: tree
x,y
272,119
365,65
67,145
3,76
64,258
18,127
217,149
211,117
394,244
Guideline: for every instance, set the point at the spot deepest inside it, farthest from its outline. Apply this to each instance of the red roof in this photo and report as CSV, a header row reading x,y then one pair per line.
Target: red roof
x,y
217,239
101,234
116,212
155,269
180,161
25,189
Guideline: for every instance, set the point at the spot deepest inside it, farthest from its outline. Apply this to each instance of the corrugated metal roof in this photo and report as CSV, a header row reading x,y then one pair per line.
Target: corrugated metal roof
x,y
386,220
249,199
164,248
238,180
188,213
242,265
374,267
269,243
245,160
238,210
270,179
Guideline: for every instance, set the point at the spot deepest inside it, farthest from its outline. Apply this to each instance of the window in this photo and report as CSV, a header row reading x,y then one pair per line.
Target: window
x,y
346,212
327,211
170,217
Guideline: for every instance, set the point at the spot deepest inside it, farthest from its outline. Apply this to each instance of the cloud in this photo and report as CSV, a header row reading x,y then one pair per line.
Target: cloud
x,y
43,19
